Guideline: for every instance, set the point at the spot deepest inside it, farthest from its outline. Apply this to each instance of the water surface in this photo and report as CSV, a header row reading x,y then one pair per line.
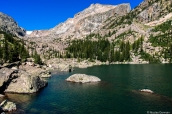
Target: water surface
x,y
117,93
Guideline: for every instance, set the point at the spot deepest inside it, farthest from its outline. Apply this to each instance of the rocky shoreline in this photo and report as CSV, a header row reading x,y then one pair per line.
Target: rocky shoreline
x,y
67,64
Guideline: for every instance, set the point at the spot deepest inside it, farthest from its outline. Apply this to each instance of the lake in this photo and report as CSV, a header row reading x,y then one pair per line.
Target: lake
x,y
117,93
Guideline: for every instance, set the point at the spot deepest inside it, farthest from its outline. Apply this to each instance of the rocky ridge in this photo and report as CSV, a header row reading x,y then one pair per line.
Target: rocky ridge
x,y
83,23
9,25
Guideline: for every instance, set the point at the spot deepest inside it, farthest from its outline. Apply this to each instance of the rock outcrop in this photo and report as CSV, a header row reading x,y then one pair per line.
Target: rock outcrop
x,y
19,81
8,106
83,78
9,25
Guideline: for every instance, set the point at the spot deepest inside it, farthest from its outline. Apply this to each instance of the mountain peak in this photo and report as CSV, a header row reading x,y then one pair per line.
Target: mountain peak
x,y
86,21
95,8
9,25
96,4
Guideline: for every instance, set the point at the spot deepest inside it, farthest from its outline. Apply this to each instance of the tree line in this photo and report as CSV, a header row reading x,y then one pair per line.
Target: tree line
x,y
102,50
12,49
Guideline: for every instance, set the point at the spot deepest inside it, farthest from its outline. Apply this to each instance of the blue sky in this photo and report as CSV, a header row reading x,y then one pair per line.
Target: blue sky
x,y
45,14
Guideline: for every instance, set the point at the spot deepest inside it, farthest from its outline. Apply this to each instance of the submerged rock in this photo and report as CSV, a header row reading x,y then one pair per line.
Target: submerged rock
x,y
83,78
8,106
146,91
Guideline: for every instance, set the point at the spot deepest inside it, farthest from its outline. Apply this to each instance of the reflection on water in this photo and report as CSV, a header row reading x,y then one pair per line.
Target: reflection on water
x,y
21,98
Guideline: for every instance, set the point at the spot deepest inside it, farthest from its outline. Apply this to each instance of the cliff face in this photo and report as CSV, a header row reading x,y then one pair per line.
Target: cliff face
x,y
84,22
9,25
151,10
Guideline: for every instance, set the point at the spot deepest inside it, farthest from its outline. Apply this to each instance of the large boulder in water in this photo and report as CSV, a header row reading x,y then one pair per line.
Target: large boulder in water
x,y
19,81
83,78
26,83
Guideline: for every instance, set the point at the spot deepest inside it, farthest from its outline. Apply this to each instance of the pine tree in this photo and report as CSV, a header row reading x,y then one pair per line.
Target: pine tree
x,y
121,57
37,58
5,51
1,52
112,55
122,44
170,49
141,44
127,51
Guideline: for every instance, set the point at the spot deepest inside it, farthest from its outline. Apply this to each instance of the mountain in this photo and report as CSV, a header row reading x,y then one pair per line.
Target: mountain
x,y
53,42
113,33
9,25
110,33
84,22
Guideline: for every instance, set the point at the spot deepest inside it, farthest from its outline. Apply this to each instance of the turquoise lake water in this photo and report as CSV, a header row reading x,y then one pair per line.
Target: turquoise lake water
x,y
117,93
